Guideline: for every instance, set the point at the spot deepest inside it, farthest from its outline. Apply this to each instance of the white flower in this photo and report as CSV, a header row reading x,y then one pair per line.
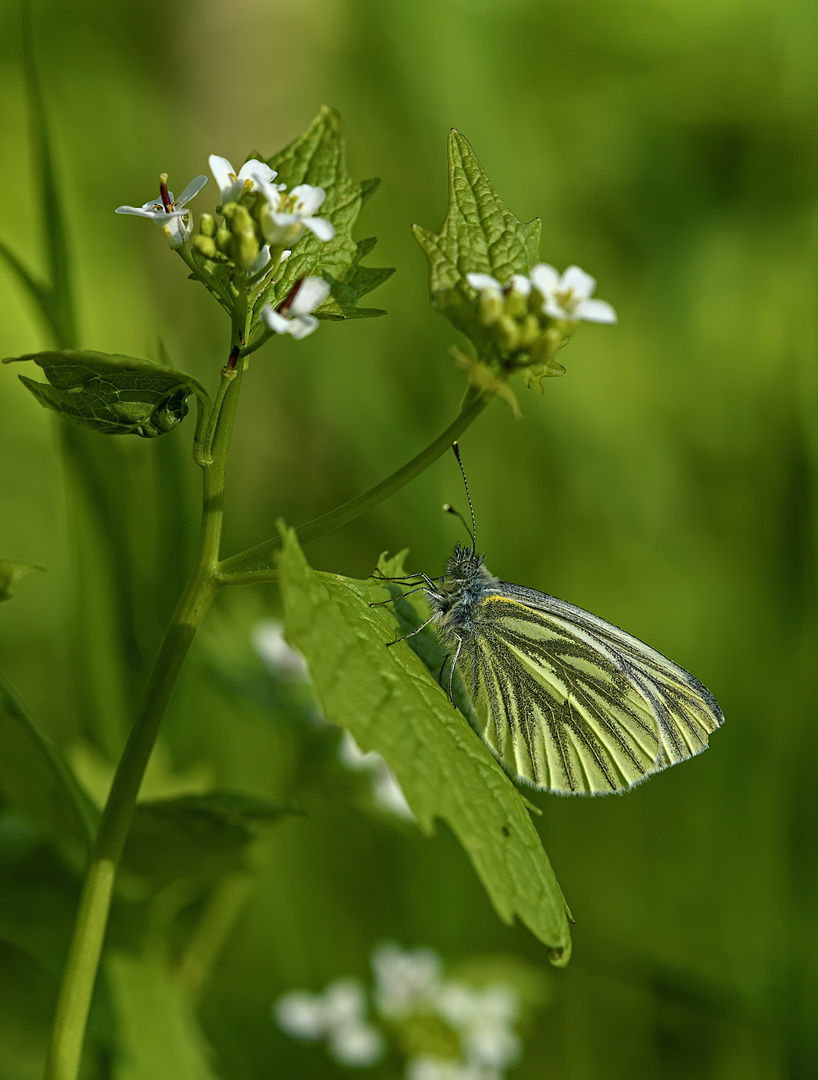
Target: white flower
x,y
484,1020
568,296
293,316
431,1068
338,1015
251,175
301,1014
385,787
404,979
288,214
168,213
267,637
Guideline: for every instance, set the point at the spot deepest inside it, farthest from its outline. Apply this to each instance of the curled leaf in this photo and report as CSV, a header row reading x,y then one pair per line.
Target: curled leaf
x,y
112,394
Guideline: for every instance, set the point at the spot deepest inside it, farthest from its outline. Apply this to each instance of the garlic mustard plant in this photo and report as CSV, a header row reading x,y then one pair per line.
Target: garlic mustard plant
x,y
276,269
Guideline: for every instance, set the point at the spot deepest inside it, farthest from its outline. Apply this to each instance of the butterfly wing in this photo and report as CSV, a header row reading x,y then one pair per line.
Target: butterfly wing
x,y
574,704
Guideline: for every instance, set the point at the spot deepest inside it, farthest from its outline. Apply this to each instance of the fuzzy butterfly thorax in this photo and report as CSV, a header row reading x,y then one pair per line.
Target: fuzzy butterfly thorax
x,y
466,581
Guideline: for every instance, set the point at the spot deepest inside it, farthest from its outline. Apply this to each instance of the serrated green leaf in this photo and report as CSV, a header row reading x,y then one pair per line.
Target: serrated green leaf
x,y
200,837
391,704
112,394
318,157
479,235
11,570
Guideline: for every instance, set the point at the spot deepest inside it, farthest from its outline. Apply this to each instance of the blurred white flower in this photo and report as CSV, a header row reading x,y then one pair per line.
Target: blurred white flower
x,y
456,1031
484,1019
430,1068
300,1014
267,638
250,176
386,789
568,295
339,1016
405,979
293,315
171,215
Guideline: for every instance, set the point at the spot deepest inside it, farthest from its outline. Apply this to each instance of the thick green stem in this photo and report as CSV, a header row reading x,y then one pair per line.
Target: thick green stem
x,y
238,569
85,950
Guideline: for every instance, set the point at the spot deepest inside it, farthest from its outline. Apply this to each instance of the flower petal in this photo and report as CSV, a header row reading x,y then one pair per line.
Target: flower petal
x,y
520,284
545,278
137,211
309,197
595,311
302,325
277,323
256,170
193,188
321,228
313,293
223,172
581,284
484,281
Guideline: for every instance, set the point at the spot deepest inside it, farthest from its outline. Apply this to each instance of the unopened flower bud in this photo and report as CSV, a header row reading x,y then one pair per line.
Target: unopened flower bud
x,y
489,307
224,238
207,225
548,344
507,334
530,331
205,245
516,304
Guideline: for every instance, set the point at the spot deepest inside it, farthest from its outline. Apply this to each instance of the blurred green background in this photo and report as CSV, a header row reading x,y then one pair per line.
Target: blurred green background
x,y
667,483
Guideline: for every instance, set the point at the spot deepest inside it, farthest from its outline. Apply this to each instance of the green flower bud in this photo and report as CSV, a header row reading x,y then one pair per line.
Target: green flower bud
x,y
205,245
530,331
507,334
516,304
245,249
489,307
224,239
544,349
207,225
535,302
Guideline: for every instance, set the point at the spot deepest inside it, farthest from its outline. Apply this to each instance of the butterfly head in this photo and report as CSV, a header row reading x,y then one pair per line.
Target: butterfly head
x,y
465,581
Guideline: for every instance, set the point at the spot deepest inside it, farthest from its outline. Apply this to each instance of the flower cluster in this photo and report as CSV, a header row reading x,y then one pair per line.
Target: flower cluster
x,y
442,1028
261,221
529,318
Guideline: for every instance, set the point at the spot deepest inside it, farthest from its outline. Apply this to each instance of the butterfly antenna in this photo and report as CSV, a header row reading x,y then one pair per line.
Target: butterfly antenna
x,y
473,531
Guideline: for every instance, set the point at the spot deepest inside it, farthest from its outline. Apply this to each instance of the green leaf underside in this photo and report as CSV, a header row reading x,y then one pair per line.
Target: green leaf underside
x,y
479,235
112,394
11,570
199,837
158,1034
317,157
391,704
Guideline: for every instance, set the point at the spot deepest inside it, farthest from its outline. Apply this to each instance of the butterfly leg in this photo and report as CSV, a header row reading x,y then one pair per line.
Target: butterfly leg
x,y
411,633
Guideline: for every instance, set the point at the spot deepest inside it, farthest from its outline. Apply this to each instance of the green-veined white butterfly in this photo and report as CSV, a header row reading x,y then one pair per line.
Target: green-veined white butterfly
x,y
567,702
